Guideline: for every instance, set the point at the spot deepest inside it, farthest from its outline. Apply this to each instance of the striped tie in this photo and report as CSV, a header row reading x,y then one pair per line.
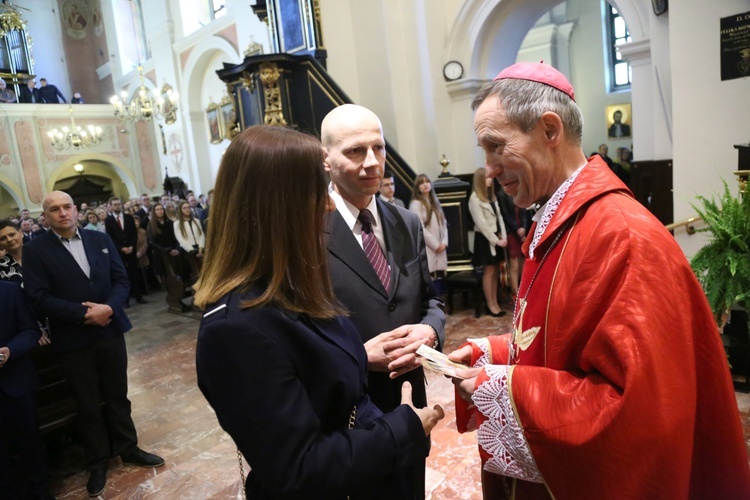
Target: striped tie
x,y
373,251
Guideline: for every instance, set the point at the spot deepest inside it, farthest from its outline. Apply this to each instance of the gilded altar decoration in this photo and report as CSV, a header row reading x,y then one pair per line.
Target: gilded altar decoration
x,y
248,81
10,20
269,77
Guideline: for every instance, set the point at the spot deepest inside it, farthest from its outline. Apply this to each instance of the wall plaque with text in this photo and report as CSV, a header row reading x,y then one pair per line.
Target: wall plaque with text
x,y
735,46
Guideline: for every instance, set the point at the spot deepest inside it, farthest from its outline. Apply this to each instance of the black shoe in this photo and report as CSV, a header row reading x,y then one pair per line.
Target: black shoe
x,y
141,300
97,481
497,314
142,458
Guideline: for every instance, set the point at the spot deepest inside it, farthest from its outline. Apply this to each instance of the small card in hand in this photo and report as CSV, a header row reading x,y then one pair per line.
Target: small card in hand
x,y
439,362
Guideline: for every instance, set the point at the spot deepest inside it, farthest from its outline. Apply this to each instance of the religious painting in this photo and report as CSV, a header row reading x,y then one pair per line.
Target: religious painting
x,y
228,118
619,121
214,123
75,16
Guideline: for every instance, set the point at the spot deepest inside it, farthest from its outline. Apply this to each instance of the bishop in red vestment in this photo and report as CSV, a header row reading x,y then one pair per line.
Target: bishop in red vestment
x,y
614,382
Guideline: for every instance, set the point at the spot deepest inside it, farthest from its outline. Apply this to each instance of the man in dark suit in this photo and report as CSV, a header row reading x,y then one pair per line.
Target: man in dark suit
x,y
50,93
26,230
144,210
19,428
29,93
76,279
397,304
121,228
43,227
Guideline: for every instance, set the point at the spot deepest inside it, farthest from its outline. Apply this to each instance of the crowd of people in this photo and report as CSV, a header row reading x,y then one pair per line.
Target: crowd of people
x,y
316,307
45,93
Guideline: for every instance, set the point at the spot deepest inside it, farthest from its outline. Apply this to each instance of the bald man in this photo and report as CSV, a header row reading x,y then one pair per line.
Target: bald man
x,y
77,280
378,263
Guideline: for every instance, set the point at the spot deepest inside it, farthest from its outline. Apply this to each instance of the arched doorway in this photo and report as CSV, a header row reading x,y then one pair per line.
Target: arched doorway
x,y
92,181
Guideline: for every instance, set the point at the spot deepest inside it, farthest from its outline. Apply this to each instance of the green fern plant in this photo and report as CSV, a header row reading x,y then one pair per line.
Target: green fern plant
x,y
723,265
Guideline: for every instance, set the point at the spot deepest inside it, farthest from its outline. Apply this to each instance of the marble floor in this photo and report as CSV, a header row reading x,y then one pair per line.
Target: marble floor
x,y
174,421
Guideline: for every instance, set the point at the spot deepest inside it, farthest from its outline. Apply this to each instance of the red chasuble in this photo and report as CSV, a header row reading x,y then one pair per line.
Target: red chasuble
x,y
618,386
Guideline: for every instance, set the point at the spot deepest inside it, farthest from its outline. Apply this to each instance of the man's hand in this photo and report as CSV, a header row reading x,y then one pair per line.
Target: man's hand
x,y
174,252
441,248
502,242
44,339
403,350
98,314
377,360
462,355
465,385
6,351
127,250
428,417
521,232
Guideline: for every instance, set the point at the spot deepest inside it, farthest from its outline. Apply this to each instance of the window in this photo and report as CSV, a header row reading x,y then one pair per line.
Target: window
x,y
620,74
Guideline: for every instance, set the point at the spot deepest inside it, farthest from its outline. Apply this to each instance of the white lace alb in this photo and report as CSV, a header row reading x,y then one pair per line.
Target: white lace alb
x,y
501,435
550,209
484,345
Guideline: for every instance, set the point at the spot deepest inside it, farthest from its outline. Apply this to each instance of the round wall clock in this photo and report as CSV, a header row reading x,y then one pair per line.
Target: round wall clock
x,y
453,70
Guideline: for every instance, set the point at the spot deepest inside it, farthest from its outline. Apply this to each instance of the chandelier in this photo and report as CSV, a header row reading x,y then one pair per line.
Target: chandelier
x,y
75,136
144,105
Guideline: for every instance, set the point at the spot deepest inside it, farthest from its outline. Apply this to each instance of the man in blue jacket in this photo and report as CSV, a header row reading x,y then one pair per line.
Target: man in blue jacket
x,y
19,428
76,279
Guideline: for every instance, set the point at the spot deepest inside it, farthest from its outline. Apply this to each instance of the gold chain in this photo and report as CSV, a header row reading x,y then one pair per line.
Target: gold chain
x,y
242,473
352,417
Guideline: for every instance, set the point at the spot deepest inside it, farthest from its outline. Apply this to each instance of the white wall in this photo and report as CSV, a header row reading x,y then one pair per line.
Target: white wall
x,y
710,116
43,25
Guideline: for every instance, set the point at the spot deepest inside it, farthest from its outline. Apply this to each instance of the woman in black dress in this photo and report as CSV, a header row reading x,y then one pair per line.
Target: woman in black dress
x,y
490,237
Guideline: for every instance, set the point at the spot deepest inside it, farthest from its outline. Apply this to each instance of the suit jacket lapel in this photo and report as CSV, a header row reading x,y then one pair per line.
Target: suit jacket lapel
x,y
343,245
66,255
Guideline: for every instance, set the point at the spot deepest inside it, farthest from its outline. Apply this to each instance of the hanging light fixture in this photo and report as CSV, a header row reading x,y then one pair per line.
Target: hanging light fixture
x,y
75,136
144,105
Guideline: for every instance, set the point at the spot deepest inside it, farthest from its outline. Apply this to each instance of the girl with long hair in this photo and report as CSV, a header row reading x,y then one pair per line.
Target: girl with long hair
x,y
425,204
283,369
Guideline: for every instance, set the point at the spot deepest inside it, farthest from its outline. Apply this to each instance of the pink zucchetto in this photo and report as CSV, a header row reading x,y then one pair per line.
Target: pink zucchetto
x,y
538,72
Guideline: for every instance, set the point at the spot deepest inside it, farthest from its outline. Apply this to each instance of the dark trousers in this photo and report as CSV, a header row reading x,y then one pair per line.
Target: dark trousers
x,y
96,374
135,275
23,459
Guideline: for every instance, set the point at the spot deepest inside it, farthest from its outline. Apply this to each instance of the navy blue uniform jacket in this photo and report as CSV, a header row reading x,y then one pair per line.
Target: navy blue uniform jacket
x,y
56,287
20,334
283,386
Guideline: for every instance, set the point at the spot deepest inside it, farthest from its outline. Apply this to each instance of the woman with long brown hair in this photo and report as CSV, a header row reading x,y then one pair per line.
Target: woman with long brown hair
x,y
425,204
284,371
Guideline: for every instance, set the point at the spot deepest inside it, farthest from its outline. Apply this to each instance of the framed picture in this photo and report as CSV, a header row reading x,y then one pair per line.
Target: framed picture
x,y
619,121
214,122
228,118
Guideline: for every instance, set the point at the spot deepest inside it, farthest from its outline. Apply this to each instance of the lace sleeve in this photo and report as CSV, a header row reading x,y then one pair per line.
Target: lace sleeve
x,y
501,435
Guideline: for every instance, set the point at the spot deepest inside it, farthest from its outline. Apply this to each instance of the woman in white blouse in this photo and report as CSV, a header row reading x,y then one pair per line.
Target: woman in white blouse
x,y
490,238
190,236
425,204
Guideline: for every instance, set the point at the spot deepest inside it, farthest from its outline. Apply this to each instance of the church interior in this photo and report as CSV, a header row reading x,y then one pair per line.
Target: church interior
x,y
166,84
